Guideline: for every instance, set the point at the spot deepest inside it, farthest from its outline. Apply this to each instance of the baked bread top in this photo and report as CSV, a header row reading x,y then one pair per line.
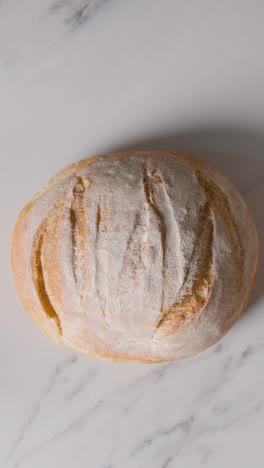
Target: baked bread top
x,y
145,256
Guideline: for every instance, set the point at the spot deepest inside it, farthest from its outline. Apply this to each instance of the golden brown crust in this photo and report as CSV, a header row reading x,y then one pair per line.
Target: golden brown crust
x,y
55,243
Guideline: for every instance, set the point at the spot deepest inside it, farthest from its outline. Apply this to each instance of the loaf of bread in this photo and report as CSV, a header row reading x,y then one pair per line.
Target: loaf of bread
x,y
140,256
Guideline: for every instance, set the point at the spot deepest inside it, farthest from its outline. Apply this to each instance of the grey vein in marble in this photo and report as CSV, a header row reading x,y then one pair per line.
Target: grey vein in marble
x,y
71,427
36,408
76,12
246,191
81,385
193,428
167,462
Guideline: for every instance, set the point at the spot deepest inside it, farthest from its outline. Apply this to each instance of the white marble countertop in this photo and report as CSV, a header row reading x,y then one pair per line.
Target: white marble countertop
x,y
79,78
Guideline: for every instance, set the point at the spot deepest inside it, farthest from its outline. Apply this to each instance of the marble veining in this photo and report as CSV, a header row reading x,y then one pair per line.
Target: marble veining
x,y
36,408
76,12
85,77
246,191
200,417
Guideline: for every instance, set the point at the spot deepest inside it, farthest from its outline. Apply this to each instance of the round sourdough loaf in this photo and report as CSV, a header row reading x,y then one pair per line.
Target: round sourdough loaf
x,y
141,256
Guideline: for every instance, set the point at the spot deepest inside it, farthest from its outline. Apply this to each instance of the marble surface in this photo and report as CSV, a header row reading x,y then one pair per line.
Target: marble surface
x,y
84,77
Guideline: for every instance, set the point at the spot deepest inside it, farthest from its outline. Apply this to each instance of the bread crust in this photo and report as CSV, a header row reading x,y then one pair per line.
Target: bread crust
x,y
143,256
